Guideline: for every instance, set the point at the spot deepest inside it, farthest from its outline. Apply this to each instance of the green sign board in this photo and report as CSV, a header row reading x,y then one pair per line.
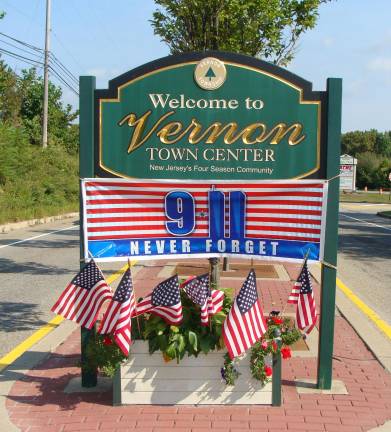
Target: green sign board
x,y
200,117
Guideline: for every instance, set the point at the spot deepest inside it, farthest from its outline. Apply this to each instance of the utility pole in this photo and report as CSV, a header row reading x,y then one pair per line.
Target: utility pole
x,y
46,77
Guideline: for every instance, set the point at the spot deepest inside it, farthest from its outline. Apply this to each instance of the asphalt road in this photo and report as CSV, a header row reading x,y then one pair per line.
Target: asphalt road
x,y
34,271
364,255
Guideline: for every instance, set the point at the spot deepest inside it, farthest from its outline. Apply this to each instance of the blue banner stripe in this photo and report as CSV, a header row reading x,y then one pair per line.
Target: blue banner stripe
x,y
137,248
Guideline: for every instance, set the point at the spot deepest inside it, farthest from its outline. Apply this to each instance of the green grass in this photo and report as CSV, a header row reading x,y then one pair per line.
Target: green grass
x,y
386,214
365,197
35,182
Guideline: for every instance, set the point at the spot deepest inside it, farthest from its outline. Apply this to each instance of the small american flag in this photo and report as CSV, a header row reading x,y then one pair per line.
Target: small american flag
x,y
303,296
84,296
245,323
199,292
118,317
294,295
164,301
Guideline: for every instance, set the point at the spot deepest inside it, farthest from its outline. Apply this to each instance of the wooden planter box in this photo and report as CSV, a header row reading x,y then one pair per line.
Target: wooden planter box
x,y
147,379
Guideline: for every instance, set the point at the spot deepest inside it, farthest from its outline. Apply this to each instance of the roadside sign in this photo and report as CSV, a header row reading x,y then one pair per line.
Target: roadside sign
x,y
221,117
347,172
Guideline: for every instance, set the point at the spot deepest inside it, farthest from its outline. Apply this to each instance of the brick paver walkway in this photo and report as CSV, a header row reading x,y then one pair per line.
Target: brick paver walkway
x,y
37,403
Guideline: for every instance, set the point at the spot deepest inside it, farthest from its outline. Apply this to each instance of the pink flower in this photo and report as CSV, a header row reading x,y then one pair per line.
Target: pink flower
x,y
264,345
286,353
268,371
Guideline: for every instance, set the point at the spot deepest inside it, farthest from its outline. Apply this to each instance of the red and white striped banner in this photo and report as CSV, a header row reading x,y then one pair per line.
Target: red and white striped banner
x,y
118,209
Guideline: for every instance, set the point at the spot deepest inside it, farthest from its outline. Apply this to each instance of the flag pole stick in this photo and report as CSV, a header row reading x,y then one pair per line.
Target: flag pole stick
x,y
209,317
137,317
305,259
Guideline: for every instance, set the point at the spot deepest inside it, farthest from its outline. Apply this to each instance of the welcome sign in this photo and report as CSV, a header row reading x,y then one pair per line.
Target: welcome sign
x,y
213,154
220,116
148,219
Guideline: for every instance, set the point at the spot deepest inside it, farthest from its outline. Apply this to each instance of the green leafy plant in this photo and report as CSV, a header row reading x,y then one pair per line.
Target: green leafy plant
x,y
189,338
103,355
173,341
229,372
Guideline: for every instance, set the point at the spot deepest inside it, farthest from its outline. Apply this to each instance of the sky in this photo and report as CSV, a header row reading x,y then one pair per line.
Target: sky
x,y
105,38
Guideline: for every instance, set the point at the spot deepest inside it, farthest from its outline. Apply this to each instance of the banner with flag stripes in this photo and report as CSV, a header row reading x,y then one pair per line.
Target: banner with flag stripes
x,y
139,218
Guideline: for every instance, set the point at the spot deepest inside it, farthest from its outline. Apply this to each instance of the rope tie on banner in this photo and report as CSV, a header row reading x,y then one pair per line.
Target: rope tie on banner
x,y
333,178
84,260
326,264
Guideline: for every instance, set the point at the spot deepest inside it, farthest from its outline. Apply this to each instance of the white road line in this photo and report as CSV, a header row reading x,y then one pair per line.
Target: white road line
x,y
346,204
366,222
41,235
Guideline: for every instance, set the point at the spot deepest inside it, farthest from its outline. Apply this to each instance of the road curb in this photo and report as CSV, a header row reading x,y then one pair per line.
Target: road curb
x,y
367,331
5,228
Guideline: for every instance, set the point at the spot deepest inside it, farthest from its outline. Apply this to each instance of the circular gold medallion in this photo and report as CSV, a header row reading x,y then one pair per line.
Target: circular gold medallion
x,y
210,73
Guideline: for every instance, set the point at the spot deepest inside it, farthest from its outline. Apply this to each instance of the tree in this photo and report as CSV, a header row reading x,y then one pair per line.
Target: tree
x,y
267,29
383,144
61,129
10,97
358,142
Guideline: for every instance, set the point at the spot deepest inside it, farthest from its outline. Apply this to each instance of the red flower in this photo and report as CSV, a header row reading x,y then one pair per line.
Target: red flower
x,y
277,321
286,353
107,340
264,345
268,371
274,345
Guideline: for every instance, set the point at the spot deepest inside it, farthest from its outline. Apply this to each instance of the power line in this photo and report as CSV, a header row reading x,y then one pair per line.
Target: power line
x,y
63,80
35,63
61,72
19,56
24,61
19,48
64,68
67,50
55,58
22,43
12,6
